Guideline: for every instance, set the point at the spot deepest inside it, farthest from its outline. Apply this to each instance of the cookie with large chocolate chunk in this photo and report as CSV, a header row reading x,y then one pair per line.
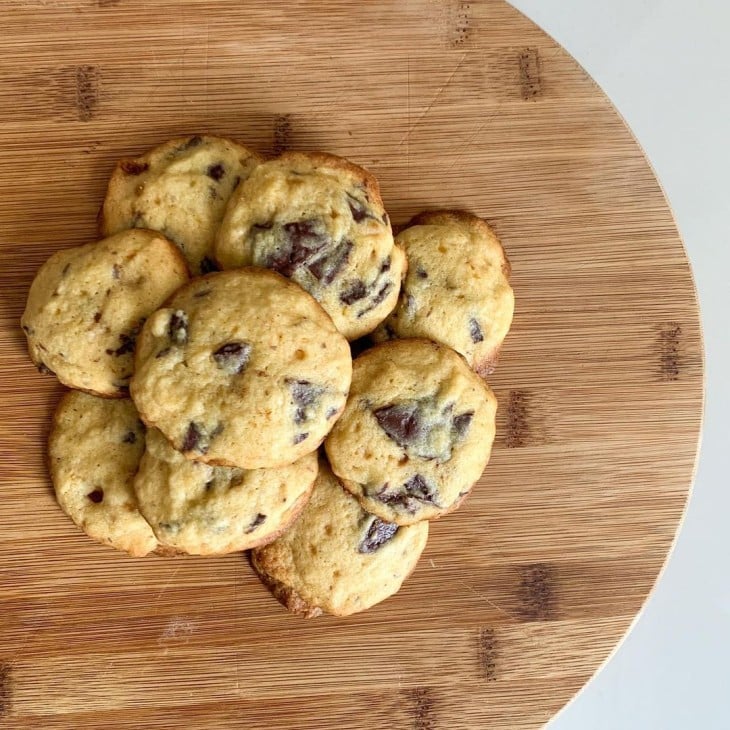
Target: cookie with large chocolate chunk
x,y
180,188
87,304
457,289
95,448
337,558
416,433
318,220
242,368
201,509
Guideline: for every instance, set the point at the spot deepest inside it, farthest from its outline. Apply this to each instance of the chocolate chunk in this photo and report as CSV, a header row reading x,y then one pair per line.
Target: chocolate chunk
x,y
410,304
385,266
377,535
43,368
96,496
97,317
28,330
300,437
421,273
164,351
216,171
127,343
325,268
130,437
413,491
116,272
475,331
261,227
233,357
202,293
194,439
378,298
258,520
331,413
461,424
302,241
353,292
358,209
420,489
209,485
207,265
389,331
304,394
132,167
178,328
400,422
192,142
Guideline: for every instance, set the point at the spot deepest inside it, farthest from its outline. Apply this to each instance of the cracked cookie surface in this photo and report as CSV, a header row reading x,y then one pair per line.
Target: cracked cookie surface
x,y
457,289
87,304
201,509
416,433
337,558
181,189
94,451
318,220
242,368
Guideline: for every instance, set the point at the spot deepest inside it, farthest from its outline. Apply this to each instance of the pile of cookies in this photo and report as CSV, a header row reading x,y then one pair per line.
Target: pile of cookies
x,y
199,403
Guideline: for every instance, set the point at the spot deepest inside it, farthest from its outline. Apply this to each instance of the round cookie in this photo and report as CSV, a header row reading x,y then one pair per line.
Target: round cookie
x,y
457,288
86,305
181,189
211,510
242,368
337,558
319,220
95,448
416,433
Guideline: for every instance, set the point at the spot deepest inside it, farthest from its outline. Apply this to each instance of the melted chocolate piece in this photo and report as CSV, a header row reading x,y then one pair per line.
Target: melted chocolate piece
x,y
302,241
412,492
461,424
127,343
304,394
131,167
130,438
192,142
216,171
194,439
233,357
378,298
475,331
163,352
421,273
43,368
96,496
258,520
358,209
400,422
353,292
325,268
300,437
178,328
377,535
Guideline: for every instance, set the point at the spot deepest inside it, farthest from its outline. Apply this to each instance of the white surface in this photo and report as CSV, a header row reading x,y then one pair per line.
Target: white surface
x,y
666,67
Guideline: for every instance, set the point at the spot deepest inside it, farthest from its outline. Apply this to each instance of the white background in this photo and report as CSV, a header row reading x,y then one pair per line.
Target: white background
x,y
665,64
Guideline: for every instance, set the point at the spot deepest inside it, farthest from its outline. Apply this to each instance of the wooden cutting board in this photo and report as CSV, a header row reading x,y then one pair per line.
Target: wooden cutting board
x,y
524,592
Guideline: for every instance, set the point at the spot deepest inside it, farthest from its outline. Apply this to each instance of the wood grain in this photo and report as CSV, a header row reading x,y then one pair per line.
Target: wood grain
x,y
521,594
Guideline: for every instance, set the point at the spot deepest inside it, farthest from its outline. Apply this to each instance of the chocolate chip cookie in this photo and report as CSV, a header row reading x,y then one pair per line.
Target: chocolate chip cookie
x,y
338,558
457,288
87,304
416,433
95,448
242,368
181,189
318,220
201,509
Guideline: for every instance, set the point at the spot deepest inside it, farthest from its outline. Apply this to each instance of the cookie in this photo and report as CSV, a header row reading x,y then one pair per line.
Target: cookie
x,y
211,510
86,305
337,558
242,368
457,288
318,220
181,189
416,433
94,449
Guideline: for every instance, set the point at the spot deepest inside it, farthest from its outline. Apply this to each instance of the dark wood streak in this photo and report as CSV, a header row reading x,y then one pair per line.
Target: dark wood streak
x,y
461,24
530,78
422,702
669,351
282,133
536,593
487,653
518,424
6,680
87,91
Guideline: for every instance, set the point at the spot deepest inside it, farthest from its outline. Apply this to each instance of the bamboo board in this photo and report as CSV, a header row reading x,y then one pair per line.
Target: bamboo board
x,y
520,595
